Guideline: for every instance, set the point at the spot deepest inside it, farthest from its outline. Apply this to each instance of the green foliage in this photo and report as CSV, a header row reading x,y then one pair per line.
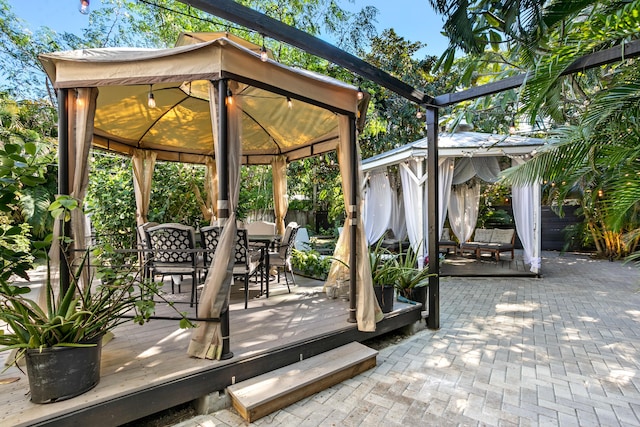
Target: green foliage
x,y
385,269
111,201
24,161
311,263
79,313
409,275
256,191
392,120
174,200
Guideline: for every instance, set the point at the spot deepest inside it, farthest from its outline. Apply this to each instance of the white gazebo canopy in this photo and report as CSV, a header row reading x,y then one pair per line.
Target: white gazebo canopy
x,y
461,156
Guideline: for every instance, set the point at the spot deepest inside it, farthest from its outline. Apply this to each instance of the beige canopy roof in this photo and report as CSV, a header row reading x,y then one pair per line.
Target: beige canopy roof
x,y
179,128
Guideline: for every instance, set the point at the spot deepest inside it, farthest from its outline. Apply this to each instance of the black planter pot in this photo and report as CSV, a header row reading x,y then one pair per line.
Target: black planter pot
x,y
60,373
419,295
384,295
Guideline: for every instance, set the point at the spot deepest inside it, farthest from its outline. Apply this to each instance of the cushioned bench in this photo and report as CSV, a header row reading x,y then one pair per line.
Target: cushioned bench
x,y
493,240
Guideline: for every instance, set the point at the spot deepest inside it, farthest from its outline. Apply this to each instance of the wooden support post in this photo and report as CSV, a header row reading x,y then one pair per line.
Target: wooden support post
x,y
433,319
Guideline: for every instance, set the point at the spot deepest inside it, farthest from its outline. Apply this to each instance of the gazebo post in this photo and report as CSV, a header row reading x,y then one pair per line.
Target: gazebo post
x,y
353,218
63,178
433,318
223,199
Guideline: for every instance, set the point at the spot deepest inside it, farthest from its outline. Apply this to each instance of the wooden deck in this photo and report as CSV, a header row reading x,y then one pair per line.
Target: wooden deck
x,y
146,369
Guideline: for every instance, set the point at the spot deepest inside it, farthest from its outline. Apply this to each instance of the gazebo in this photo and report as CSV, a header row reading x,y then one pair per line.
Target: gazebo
x,y
461,157
213,99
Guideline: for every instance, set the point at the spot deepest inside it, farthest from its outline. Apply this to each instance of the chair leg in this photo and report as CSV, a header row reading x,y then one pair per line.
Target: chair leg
x,y
194,291
246,291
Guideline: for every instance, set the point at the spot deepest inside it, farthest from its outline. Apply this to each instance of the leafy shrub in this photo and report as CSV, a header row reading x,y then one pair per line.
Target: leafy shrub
x,y
311,264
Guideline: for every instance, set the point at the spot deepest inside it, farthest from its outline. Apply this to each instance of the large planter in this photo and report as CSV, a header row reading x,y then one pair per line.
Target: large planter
x,y
419,295
60,373
384,295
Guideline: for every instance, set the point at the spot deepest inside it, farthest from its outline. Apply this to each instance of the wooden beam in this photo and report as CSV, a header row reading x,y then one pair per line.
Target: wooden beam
x,y
596,59
263,24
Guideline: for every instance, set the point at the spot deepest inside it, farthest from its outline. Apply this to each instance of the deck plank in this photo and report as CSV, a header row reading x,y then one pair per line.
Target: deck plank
x,y
141,358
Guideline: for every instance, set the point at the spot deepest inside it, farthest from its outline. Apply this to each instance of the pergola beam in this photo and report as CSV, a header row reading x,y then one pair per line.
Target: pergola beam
x,y
596,59
263,24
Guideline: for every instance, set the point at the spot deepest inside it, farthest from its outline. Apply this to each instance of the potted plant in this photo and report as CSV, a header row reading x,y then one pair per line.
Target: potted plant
x,y
384,274
411,281
62,342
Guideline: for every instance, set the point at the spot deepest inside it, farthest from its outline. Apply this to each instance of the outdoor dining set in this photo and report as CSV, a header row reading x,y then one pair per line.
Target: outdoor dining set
x,y
179,251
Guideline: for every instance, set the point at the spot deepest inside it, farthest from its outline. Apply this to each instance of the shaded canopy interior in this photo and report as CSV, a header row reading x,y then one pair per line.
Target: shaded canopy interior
x,y
285,111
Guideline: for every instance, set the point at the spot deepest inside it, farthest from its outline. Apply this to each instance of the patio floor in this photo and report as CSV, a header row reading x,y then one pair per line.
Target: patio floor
x,y
146,369
560,350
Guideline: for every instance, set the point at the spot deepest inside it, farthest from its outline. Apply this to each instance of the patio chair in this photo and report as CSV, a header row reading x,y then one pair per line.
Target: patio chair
x,y
145,249
209,238
173,254
261,227
247,263
281,258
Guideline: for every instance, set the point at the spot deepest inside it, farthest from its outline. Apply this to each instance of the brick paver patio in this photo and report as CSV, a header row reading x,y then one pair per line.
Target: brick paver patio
x,y
562,350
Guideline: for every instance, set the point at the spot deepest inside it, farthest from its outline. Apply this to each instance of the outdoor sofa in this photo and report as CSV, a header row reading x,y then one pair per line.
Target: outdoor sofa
x,y
491,240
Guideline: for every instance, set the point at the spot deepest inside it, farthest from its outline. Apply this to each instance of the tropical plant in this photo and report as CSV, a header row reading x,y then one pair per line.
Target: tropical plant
x,y
410,276
82,311
311,263
384,266
24,162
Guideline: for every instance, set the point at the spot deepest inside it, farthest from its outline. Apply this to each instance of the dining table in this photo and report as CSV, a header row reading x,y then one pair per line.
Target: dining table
x,y
267,241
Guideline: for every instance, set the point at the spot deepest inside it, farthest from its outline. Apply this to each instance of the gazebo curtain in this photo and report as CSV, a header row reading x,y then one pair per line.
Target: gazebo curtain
x,y
206,339
378,202
413,177
445,176
526,218
463,209
485,168
367,310
143,163
397,222
82,112
211,187
280,199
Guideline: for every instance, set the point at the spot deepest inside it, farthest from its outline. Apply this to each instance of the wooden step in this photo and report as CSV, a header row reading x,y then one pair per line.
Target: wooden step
x,y
264,394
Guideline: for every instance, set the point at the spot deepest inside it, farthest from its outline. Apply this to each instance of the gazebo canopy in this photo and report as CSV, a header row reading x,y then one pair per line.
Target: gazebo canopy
x,y
179,128
459,144
461,156
215,98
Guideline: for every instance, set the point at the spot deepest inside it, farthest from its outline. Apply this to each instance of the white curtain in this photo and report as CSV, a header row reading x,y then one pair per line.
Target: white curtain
x,y
280,198
397,222
206,339
463,210
526,213
378,200
368,312
143,163
445,176
413,176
